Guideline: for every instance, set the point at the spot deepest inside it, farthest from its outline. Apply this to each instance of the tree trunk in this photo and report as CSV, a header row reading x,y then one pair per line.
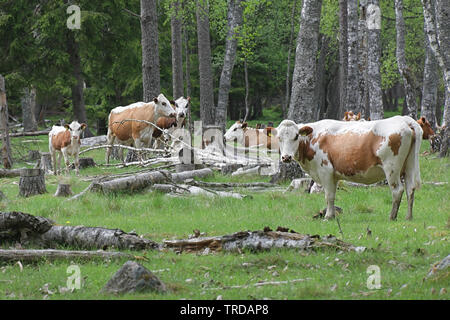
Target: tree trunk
x,y
150,50
405,71
303,104
353,99
321,83
79,109
28,102
51,254
343,57
430,85
6,145
374,60
177,51
207,112
247,89
187,63
32,182
235,11
363,89
45,163
288,69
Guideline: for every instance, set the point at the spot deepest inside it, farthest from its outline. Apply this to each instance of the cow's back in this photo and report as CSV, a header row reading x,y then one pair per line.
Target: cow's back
x,y
126,130
59,137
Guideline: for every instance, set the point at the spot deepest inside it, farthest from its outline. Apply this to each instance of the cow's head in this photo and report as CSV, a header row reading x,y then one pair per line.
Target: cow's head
x,y
350,116
163,107
182,107
236,131
75,129
426,127
292,138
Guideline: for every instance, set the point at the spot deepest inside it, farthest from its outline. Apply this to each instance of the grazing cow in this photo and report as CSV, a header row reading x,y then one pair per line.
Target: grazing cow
x,y
181,109
350,116
364,152
426,128
65,140
250,137
135,132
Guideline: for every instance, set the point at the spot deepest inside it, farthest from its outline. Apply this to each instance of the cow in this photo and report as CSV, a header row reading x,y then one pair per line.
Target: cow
x,y
181,106
138,132
350,116
65,140
250,137
363,152
426,128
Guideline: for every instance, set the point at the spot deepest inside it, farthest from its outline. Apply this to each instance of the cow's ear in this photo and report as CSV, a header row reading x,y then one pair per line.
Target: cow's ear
x,y
304,131
358,117
244,125
83,126
189,99
155,100
346,115
423,119
172,102
66,126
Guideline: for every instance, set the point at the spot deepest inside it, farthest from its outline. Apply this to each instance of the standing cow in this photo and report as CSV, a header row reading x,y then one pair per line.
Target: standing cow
x,y
364,152
250,137
126,132
65,141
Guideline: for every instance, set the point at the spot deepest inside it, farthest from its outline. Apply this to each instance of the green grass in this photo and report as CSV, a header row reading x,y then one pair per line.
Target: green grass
x,y
404,250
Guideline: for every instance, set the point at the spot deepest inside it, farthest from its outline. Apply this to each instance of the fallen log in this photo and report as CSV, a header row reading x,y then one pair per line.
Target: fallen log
x,y
143,180
227,185
51,254
19,226
260,240
9,173
94,237
29,133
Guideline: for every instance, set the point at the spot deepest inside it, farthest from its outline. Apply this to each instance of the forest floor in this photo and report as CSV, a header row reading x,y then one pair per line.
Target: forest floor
x,y
403,250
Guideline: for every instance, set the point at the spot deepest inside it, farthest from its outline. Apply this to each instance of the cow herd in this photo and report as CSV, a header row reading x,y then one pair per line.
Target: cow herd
x,y
328,150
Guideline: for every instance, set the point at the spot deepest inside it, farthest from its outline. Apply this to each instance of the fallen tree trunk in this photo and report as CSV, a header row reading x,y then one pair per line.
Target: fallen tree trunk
x,y
19,226
29,133
260,240
144,180
9,173
93,237
226,185
51,254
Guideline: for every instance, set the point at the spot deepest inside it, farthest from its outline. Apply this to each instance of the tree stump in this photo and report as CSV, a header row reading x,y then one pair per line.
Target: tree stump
x,y
34,155
63,190
132,156
84,163
32,182
45,162
230,168
288,171
186,157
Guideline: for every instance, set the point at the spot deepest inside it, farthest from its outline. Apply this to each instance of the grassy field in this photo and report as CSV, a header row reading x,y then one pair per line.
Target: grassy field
x,y
403,250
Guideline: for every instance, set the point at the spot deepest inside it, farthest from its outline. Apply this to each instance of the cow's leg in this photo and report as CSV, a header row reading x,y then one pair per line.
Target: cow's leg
x,y
77,163
66,161
329,186
396,186
138,144
110,142
410,188
53,155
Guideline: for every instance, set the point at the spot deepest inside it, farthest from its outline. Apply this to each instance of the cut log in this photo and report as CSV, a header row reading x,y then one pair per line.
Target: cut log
x,y
94,238
227,185
45,163
63,190
32,182
34,155
144,180
245,171
260,240
230,168
9,173
29,133
93,141
84,163
51,254
19,226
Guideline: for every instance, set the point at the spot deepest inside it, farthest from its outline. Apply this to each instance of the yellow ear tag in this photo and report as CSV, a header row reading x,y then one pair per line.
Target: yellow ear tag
x,y
270,134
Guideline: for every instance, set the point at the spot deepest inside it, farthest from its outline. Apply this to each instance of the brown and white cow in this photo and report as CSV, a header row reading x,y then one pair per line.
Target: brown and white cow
x,y
135,132
250,137
350,116
364,152
65,141
426,128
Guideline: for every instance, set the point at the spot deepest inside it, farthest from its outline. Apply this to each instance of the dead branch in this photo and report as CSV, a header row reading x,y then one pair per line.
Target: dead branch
x,y
51,254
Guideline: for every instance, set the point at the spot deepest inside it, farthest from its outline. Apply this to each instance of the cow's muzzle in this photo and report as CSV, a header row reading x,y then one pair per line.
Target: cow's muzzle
x,y
286,159
172,115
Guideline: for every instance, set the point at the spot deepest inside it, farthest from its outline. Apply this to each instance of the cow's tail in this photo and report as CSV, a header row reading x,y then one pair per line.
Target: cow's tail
x,y
412,160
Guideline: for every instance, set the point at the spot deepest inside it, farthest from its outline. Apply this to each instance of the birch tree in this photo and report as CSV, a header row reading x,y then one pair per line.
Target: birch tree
x,y
353,99
177,51
405,71
6,146
303,104
343,57
363,89
373,20
234,20
28,103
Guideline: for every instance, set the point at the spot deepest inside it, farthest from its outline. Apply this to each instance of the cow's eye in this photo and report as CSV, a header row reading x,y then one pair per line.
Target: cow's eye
x,y
163,103
296,137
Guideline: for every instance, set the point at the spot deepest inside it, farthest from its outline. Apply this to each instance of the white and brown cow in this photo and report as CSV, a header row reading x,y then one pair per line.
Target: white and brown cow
x,y
364,152
65,141
250,137
135,132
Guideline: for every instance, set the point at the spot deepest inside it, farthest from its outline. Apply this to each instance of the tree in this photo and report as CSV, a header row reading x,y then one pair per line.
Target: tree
x,y
288,68
207,112
6,146
405,71
150,50
343,57
353,99
234,19
28,109
303,105
363,87
177,51
438,32
373,21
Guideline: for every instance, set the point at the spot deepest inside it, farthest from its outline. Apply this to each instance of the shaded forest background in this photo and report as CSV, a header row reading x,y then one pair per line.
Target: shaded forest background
x,y
42,59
